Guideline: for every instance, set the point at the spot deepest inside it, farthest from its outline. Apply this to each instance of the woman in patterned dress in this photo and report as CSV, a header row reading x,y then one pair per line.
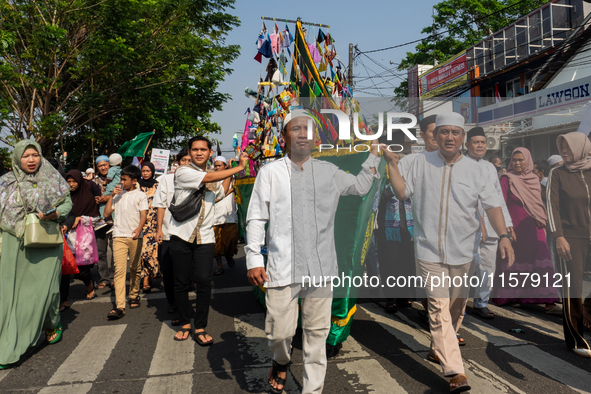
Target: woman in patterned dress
x,y
150,265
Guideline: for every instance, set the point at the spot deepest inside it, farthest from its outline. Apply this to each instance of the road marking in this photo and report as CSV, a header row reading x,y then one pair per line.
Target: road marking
x,y
486,380
159,296
99,342
554,367
351,349
170,356
169,384
70,389
3,373
371,376
489,333
415,339
546,327
251,329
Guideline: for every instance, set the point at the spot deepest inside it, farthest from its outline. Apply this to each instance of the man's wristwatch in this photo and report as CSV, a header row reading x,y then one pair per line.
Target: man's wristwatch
x,y
506,236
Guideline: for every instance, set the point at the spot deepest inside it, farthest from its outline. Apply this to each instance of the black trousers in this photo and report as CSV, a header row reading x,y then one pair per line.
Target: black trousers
x,y
572,302
165,260
85,276
192,263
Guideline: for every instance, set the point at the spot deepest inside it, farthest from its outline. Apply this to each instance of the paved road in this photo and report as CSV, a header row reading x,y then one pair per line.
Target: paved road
x,y
385,353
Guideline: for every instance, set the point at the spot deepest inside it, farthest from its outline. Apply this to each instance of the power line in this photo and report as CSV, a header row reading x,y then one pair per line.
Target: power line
x,y
434,35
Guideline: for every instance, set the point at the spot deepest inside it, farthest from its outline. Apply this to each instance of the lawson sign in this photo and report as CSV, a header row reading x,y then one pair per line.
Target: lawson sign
x,y
544,101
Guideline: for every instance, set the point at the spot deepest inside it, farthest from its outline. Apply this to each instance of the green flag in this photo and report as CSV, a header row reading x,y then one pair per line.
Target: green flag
x,y
137,146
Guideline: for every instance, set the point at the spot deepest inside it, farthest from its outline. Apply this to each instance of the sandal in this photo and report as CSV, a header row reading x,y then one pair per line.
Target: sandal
x,y
461,341
391,308
102,285
184,331
146,289
219,271
405,303
433,358
64,306
280,381
175,322
461,382
89,296
171,309
231,263
484,313
134,302
116,314
197,334
57,332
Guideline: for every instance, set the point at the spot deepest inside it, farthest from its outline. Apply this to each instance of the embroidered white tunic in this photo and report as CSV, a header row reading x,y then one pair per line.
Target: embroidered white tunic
x,y
445,201
300,208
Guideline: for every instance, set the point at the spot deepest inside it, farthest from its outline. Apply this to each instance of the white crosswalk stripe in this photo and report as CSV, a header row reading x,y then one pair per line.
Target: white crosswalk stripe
x,y
78,367
172,365
172,356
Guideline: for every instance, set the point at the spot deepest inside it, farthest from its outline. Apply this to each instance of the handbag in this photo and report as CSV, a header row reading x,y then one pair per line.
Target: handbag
x,y
189,208
69,266
40,233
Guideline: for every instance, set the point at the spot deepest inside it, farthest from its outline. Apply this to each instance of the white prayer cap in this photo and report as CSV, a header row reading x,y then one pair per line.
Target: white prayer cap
x,y
450,119
555,159
90,170
222,159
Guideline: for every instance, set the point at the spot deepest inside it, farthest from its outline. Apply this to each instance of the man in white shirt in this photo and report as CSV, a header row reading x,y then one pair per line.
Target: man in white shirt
x,y
225,223
486,262
162,200
445,189
192,242
297,196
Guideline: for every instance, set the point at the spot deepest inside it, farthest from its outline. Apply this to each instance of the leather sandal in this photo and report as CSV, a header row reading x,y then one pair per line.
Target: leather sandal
x,y
116,313
462,383
134,302
274,375
433,358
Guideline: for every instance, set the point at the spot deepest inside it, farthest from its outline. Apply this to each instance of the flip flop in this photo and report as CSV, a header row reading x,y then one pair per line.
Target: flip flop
x,y
461,341
90,297
219,271
484,313
184,331
199,341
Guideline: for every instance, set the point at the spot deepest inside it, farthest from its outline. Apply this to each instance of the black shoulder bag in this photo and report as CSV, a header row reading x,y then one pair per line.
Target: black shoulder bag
x,y
189,208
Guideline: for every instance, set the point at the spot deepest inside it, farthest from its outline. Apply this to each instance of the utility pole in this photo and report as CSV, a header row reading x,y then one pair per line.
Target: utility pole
x,y
350,71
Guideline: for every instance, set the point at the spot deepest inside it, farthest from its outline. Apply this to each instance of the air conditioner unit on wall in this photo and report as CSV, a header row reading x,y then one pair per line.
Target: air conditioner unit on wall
x,y
493,142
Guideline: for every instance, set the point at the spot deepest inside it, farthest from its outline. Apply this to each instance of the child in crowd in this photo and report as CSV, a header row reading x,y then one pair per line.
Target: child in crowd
x,y
131,205
114,174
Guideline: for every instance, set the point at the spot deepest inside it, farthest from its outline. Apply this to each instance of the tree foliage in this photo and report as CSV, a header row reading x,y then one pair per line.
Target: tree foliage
x,y
76,70
459,24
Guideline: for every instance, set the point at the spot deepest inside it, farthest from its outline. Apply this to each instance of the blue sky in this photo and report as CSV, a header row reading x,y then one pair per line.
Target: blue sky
x,y
367,24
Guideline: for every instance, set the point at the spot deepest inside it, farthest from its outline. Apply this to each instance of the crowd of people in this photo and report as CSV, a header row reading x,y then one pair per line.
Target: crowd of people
x,y
450,213
118,212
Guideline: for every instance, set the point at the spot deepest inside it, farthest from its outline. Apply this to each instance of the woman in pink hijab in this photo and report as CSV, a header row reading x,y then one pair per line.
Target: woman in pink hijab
x,y
569,208
522,193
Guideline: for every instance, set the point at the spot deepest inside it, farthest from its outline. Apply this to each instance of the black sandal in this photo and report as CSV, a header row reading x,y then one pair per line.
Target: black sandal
x,y
134,302
391,308
280,381
116,314
184,331
199,341
175,322
484,313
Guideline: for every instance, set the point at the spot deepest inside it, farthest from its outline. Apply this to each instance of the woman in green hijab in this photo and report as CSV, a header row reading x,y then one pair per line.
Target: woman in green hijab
x,y
29,278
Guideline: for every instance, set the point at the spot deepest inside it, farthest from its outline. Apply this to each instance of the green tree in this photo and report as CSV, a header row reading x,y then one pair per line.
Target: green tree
x,y
72,71
459,24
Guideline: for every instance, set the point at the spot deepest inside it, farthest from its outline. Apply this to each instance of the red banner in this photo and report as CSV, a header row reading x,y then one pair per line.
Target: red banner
x,y
446,73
